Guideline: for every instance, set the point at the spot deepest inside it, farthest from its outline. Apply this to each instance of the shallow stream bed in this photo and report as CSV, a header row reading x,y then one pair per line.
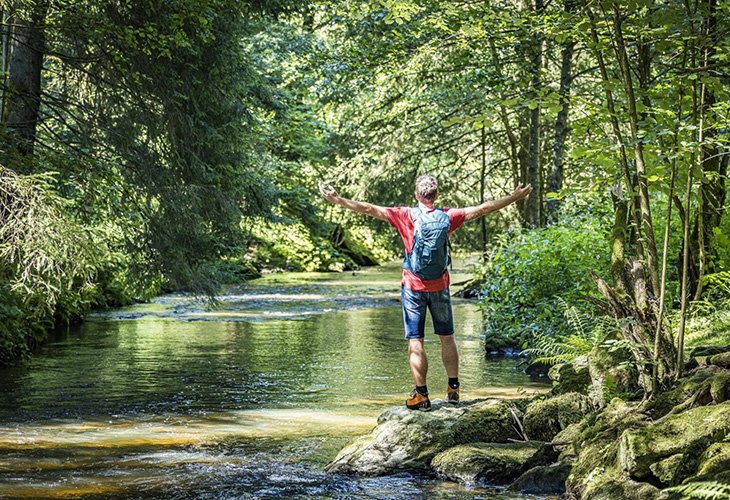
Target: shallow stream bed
x,y
251,399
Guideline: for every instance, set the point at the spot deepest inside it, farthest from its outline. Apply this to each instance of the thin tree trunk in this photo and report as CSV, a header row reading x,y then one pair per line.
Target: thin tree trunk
x,y
481,191
561,122
712,189
533,176
629,178
24,78
4,55
667,225
687,246
651,251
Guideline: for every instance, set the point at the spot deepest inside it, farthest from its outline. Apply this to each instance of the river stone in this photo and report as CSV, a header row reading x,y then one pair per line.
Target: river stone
x,y
542,480
698,427
406,440
544,419
568,435
596,471
715,459
611,375
667,470
625,489
722,360
486,463
571,377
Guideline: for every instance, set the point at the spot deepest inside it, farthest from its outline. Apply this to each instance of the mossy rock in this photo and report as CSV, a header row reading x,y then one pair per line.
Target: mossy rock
x,y
612,374
544,419
680,433
710,350
625,489
486,463
667,470
722,360
542,480
688,386
715,459
571,377
568,435
720,387
596,470
406,440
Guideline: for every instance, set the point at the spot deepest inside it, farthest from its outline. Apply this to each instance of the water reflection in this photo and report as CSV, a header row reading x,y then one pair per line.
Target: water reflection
x,y
249,400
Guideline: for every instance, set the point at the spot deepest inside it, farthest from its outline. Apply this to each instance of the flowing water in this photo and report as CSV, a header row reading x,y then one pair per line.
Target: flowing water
x,y
250,399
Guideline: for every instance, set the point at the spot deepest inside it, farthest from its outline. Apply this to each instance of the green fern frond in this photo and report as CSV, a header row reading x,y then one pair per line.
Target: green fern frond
x,y
587,332
703,490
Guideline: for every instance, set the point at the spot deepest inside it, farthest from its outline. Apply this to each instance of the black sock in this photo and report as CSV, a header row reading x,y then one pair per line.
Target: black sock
x,y
454,382
422,390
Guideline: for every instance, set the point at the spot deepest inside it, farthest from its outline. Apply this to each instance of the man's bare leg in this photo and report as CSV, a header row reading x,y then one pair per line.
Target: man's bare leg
x,y
418,361
449,355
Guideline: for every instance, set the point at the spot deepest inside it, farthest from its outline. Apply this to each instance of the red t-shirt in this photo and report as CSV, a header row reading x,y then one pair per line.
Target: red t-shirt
x,y
403,219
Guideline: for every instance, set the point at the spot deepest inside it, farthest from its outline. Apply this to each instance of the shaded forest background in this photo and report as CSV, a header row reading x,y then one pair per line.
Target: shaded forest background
x,y
150,146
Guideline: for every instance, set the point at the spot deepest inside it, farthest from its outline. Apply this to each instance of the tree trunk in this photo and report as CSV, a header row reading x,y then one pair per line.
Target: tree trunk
x,y
24,78
629,177
481,191
533,167
712,189
648,226
561,123
632,304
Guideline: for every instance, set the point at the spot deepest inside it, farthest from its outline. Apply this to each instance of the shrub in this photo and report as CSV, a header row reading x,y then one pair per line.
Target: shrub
x,y
530,269
52,268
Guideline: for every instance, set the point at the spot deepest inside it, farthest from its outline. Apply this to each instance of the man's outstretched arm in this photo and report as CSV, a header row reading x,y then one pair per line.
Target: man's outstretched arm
x,y
472,213
360,207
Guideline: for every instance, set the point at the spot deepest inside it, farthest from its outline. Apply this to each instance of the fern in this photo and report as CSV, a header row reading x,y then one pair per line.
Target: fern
x,y
711,490
588,332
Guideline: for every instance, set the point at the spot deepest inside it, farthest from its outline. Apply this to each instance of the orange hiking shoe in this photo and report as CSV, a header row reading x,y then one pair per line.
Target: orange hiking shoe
x,y
418,401
452,395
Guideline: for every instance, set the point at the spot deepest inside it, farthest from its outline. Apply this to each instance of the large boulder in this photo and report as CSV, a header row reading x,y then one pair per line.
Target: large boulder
x,y
544,419
563,443
488,463
613,374
622,488
542,480
707,384
406,440
715,459
687,432
571,377
595,472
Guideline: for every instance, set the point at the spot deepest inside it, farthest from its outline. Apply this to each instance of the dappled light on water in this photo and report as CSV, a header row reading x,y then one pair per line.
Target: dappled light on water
x,y
246,400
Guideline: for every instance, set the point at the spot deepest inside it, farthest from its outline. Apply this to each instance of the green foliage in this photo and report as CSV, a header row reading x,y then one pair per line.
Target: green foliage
x,y
52,268
530,272
586,331
713,490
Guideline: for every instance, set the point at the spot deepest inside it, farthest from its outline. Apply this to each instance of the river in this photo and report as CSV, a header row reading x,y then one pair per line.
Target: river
x,y
173,399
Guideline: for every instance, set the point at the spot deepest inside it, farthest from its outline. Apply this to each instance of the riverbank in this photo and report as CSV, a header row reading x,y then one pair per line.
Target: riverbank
x,y
577,440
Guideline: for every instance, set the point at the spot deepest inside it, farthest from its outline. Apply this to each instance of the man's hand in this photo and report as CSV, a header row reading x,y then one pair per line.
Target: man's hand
x,y
522,192
360,207
471,213
329,193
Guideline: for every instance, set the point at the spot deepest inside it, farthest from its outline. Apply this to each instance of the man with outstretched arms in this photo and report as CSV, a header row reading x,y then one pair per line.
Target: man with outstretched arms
x,y
426,231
